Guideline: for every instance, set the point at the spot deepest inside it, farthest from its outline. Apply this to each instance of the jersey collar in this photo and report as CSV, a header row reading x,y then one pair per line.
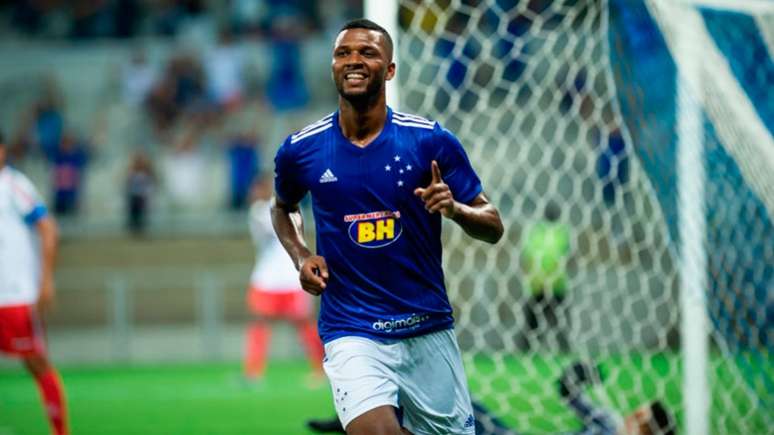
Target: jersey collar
x,y
376,143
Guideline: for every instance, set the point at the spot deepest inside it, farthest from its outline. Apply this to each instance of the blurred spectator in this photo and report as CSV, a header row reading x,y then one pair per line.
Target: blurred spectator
x,y
127,14
161,105
180,90
224,66
184,171
172,14
69,163
287,88
243,160
47,120
91,19
188,80
350,10
140,183
286,19
612,164
29,15
138,77
244,16
88,19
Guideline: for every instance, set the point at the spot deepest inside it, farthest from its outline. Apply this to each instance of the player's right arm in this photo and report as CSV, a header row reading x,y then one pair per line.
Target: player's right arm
x,y
288,223
289,226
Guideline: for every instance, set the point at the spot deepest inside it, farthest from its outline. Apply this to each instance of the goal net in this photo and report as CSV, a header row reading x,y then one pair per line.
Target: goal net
x,y
579,116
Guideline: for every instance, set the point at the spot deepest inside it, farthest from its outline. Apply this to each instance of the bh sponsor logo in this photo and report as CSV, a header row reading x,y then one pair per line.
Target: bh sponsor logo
x,y
375,229
410,322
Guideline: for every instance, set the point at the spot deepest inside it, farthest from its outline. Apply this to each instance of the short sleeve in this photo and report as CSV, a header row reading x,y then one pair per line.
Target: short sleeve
x,y
287,182
456,170
26,200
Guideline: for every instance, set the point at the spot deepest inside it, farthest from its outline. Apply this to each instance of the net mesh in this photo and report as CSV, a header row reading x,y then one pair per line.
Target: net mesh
x,y
567,111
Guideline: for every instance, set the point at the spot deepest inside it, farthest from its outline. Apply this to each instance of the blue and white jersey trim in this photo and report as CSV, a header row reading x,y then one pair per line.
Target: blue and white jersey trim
x,y
36,214
313,128
408,120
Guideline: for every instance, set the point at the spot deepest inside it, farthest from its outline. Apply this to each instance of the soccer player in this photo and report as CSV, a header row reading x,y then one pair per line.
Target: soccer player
x,y
648,419
274,293
545,259
28,242
381,181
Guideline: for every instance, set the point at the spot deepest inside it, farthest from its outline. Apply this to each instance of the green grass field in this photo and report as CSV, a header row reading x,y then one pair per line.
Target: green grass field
x,y
211,399
170,399
631,379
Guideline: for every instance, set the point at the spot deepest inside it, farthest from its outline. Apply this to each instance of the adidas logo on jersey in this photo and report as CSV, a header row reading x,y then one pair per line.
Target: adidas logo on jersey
x,y
328,177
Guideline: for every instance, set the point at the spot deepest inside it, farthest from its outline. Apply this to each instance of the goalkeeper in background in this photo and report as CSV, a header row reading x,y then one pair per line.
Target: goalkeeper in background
x,y
651,418
544,259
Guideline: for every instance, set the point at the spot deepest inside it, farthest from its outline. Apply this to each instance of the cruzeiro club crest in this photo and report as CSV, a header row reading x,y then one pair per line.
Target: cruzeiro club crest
x,y
375,229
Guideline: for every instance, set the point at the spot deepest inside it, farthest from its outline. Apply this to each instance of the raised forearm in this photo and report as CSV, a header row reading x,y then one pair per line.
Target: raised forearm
x,y
289,226
480,219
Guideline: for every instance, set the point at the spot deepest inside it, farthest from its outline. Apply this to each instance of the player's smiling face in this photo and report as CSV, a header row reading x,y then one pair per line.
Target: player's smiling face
x,y
361,63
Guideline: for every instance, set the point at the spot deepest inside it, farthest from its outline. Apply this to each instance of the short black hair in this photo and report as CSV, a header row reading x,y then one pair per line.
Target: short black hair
x,y
365,23
2,138
661,419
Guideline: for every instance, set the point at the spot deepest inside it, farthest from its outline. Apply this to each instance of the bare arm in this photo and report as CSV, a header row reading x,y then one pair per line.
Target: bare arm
x,y
479,218
289,226
49,240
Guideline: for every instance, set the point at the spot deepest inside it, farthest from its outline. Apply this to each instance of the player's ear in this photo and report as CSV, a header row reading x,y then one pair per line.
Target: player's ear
x,y
390,71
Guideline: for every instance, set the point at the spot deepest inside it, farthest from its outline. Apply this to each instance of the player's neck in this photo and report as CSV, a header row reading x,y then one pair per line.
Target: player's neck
x,y
361,125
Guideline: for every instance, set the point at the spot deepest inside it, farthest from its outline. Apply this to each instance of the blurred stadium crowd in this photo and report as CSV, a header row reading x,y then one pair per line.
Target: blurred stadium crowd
x,y
140,113
137,112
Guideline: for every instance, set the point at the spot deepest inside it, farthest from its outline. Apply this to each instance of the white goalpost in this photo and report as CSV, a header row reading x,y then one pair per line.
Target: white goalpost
x,y
692,47
692,224
386,14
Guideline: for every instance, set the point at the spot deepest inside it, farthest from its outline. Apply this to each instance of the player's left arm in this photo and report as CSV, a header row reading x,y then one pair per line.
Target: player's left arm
x,y
479,218
49,240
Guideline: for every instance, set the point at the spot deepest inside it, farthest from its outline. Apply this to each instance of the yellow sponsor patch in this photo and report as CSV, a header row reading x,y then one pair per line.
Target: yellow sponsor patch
x,y
374,229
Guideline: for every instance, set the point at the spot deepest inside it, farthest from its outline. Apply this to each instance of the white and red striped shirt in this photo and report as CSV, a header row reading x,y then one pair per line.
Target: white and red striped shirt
x,y
21,207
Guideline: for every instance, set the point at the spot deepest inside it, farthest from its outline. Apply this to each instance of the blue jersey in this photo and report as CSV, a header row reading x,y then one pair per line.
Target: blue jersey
x,y
383,249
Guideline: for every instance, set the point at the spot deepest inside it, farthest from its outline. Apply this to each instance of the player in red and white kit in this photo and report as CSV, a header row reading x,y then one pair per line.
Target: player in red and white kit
x,y
28,242
275,293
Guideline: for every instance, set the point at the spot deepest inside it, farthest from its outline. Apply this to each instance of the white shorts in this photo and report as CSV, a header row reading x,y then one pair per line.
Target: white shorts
x,y
423,376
